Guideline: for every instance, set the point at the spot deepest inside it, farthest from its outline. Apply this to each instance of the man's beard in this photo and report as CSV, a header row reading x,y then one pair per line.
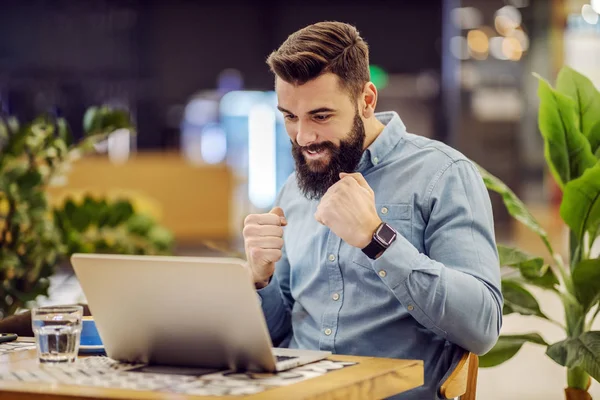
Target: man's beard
x,y
316,178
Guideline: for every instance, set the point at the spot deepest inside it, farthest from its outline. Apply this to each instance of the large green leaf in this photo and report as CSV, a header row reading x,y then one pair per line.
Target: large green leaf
x,y
567,150
594,138
583,351
506,347
586,279
517,299
532,268
580,207
514,205
586,97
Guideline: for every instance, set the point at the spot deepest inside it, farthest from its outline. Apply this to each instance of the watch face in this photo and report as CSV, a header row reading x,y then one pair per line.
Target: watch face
x,y
386,234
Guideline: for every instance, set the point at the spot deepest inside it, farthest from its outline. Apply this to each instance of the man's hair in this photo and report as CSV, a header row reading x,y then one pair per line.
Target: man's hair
x,y
323,47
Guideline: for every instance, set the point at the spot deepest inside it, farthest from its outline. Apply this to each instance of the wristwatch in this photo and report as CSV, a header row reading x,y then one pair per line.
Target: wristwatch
x,y
383,237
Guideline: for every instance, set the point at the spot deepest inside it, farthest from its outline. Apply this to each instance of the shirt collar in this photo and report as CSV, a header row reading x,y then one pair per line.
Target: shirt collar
x,y
384,143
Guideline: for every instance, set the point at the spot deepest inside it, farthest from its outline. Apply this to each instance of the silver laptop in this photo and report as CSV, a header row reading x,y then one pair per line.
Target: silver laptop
x,y
181,312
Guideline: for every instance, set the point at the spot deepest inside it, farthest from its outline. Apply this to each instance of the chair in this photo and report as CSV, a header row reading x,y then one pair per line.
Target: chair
x,y
462,382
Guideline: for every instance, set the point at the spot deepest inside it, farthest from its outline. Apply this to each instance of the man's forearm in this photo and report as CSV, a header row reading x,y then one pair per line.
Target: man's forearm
x,y
454,304
277,313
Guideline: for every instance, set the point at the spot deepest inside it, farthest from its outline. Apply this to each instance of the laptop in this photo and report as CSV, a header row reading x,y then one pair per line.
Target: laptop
x,y
182,312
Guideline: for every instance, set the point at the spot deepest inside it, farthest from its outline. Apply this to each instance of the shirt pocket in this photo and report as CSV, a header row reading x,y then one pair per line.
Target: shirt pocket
x,y
399,217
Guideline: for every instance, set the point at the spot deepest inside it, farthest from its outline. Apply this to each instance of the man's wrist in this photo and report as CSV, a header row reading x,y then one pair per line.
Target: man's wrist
x,y
383,237
261,284
368,236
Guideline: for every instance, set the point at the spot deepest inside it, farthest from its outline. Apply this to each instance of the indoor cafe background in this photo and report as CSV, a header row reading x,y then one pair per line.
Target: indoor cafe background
x,y
210,147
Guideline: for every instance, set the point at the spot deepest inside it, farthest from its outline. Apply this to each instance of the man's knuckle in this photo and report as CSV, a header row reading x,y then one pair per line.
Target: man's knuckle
x,y
250,219
249,231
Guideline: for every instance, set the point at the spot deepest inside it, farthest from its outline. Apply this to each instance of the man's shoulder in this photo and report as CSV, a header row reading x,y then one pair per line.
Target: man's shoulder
x,y
431,159
433,150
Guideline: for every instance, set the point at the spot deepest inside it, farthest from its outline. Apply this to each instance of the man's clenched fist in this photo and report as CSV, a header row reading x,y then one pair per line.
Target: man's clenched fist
x,y
263,241
348,209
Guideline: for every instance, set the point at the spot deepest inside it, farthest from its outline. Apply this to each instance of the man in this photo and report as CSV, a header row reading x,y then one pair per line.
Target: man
x,y
382,242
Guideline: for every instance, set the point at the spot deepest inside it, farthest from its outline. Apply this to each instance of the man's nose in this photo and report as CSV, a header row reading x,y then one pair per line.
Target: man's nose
x,y
305,135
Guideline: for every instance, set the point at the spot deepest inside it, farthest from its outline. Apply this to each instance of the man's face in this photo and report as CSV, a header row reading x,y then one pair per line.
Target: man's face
x,y
326,131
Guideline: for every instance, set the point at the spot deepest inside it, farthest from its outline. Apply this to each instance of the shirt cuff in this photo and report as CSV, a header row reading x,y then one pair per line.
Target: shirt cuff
x,y
397,262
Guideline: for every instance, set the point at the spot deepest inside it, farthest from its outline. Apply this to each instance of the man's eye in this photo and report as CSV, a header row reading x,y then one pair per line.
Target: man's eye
x,y
322,117
289,117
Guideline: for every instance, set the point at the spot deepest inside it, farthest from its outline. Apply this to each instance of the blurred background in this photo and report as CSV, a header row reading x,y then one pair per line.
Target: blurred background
x,y
210,146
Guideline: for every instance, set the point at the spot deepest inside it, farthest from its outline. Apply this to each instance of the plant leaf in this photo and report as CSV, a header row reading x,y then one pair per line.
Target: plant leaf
x,y
574,314
105,120
517,299
586,278
89,118
514,205
510,256
583,351
120,212
506,347
29,181
580,207
594,138
586,97
566,149
64,132
532,269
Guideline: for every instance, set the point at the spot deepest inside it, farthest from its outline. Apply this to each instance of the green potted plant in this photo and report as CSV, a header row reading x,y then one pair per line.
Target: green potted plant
x,y
569,121
104,225
34,236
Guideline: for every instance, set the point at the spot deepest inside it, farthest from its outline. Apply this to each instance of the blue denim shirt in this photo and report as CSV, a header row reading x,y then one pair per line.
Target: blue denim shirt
x,y
434,292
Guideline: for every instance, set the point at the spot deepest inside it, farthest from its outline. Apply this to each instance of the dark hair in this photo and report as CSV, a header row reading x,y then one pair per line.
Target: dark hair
x,y
323,47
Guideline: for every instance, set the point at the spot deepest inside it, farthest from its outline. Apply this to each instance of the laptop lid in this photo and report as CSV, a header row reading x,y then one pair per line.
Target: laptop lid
x,y
178,311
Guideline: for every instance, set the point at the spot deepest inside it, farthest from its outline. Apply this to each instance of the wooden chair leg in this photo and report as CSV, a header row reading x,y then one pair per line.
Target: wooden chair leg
x,y
471,392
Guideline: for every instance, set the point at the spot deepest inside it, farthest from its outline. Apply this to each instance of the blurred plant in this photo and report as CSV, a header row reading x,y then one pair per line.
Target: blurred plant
x,y
569,120
32,157
104,226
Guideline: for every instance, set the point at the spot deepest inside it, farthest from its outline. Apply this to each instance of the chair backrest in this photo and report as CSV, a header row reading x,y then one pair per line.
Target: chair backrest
x,y
462,382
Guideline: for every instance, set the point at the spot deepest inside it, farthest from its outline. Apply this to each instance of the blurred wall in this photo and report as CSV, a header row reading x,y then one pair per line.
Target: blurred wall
x,y
152,55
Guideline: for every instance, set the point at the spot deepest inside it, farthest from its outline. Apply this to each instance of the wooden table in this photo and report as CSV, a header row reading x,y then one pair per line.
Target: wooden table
x,y
371,378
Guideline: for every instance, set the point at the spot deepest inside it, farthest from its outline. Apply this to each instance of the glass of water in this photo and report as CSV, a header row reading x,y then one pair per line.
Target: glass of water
x,y
57,331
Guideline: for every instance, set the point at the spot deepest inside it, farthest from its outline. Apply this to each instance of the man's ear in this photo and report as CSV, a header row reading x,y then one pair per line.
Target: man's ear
x,y
368,100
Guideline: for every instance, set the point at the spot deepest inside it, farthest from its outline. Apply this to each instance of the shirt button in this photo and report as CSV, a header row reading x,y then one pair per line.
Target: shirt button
x,y
384,210
382,273
331,257
376,161
410,307
328,331
335,297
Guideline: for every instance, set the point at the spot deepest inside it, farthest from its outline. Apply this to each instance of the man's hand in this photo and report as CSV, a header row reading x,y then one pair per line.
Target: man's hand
x,y
263,241
348,209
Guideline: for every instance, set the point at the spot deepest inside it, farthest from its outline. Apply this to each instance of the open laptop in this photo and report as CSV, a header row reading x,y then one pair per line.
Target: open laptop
x,y
181,312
